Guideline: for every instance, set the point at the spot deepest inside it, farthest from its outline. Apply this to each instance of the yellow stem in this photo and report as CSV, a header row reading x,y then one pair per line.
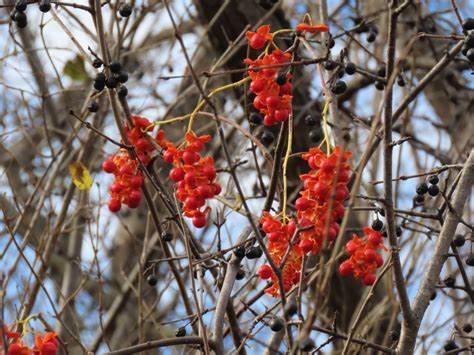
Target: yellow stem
x,y
213,92
285,164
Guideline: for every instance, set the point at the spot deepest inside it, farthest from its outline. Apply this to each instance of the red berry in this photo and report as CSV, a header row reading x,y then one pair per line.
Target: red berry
x,y
345,269
136,181
109,166
114,205
281,115
257,85
168,156
327,166
269,120
190,157
378,259
351,246
274,236
143,145
176,174
291,227
265,272
116,188
205,191
258,102
273,101
342,193
320,191
217,189
190,179
134,199
306,245
370,255
375,238
209,171
199,220
302,204
257,41
369,279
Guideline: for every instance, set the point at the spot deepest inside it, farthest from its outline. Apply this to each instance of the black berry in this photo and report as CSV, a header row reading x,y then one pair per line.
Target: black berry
x,y
419,199
377,225
470,260
97,63
180,332
422,188
255,118
45,5
115,67
93,106
470,55
122,77
111,82
291,308
350,68
339,87
20,19
125,10
253,252
20,5
315,135
468,24
122,92
240,274
306,344
400,81
99,82
266,4
450,345
152,280
459,240
433,190
281,79
239,252
379,85
330,42
394,335
449,281
433,179
467,328
166,236
371,36
330,65
469,41
311,120
433,296
381,71
276,324
267,138
398,231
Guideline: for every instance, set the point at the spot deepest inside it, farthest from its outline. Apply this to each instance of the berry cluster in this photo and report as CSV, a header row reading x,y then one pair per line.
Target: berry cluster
x,y
283,247
44,345
194,175
19,14
272,89
128,177
325,189
364,258
468,48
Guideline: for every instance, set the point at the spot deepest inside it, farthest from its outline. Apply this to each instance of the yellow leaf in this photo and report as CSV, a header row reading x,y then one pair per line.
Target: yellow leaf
x,y
80,175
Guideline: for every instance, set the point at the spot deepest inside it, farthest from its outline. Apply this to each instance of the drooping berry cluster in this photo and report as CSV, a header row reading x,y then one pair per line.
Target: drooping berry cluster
x,y
364,257
325,189
271,87
44,345
194,175
281,241
126,188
